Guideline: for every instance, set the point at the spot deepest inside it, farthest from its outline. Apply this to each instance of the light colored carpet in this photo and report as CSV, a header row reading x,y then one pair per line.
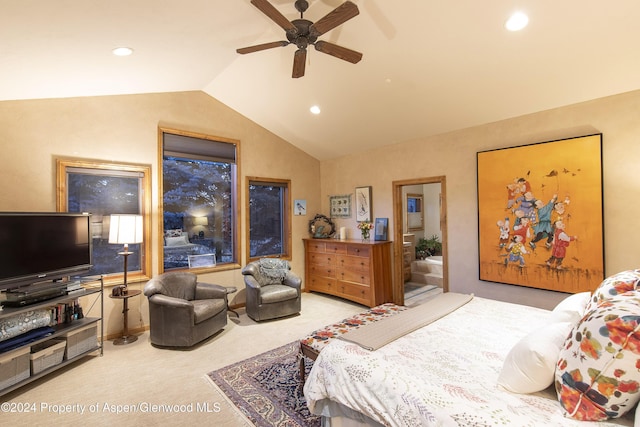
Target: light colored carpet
x,y
140,385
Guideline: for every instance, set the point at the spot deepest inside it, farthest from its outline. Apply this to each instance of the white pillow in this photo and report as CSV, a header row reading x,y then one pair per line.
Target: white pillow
x,y
177,241
572,308
173,233
531,363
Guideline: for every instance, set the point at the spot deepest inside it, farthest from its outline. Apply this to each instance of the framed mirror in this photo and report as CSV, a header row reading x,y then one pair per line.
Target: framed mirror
x,y
415,212
321,227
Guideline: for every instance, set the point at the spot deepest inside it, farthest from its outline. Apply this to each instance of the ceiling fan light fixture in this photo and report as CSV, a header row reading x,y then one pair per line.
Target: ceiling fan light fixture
x,y
314,109
517,21
303,33
122,51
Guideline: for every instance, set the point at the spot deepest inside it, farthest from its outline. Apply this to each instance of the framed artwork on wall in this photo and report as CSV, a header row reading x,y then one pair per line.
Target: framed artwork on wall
x,y
340,206
540,215
300,207
380,228
363,204
415,212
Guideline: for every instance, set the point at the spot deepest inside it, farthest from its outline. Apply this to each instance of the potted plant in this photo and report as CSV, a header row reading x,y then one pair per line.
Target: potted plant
x,y
428,247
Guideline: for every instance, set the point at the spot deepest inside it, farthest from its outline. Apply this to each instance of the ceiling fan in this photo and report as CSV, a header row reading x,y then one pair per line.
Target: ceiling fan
x,y
303,33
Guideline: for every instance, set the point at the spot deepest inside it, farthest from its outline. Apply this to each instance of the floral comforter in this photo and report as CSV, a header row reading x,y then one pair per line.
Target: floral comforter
x,y
444,374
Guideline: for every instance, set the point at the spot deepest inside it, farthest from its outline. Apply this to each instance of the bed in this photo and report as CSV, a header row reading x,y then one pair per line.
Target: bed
x,y
452,372
177,250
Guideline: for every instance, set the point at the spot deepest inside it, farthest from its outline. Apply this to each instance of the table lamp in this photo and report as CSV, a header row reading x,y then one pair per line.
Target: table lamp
x,y
125,229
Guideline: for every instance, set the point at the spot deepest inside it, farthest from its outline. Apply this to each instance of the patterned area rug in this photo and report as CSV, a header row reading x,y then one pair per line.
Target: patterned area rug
x,y
267,388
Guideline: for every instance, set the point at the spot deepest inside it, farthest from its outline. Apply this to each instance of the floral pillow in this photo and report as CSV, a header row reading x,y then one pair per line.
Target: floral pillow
x,y
617,284
598,372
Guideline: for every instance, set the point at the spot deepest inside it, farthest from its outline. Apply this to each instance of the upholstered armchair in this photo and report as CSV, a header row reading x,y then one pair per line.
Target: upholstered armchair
x,y
183,311
272,290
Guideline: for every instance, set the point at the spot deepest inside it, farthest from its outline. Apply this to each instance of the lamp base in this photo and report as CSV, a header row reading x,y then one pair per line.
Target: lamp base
x,y
125,340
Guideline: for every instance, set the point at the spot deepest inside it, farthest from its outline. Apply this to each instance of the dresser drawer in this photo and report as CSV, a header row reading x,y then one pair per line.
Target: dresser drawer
x,y
316,258
323,284
354,276
359,250
358,293
316,246
354,263
323,270
335,248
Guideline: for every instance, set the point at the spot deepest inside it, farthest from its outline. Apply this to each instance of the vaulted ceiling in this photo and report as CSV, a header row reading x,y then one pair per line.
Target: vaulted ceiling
x,y
428,66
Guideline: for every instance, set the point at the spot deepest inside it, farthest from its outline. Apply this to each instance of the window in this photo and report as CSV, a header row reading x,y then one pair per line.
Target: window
x,y
199,201
269,220
103,189
415,212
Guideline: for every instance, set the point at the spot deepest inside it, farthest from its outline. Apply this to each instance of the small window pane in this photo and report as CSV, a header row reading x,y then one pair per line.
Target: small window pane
x,y
197,211
103,189
199,199
268,219
101,196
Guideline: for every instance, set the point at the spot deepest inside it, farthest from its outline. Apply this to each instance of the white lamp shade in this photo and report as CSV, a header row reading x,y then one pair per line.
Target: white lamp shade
x,y
126,229
200,220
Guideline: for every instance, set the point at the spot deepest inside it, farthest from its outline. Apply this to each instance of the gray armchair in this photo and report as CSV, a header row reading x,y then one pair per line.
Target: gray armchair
x,y
272,290
183,311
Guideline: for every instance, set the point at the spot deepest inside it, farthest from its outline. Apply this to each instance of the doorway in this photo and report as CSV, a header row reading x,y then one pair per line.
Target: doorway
x,y
420,211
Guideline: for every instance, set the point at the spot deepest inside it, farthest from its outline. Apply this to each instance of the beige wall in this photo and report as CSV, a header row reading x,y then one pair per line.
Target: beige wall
x,y
125,129
454,156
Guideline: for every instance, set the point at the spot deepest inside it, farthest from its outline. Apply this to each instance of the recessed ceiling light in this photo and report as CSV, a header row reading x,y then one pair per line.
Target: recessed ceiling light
x,y
315,109
517,22
122,51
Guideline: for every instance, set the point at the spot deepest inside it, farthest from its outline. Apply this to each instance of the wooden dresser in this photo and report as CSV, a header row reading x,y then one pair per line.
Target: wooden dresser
x,y
351,269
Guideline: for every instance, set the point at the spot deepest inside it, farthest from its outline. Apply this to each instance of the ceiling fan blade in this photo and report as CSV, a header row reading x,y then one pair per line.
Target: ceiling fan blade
x,y
337,16
273,13
260,47
339,51
299,62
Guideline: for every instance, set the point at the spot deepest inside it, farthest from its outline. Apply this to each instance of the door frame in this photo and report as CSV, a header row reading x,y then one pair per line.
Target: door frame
x,y
398,209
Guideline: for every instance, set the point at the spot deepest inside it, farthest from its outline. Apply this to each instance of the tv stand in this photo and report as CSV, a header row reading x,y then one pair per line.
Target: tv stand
x,y
94,293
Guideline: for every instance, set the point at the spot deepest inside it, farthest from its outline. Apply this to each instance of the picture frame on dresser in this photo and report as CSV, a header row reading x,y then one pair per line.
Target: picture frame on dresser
x,y
363,204
380,228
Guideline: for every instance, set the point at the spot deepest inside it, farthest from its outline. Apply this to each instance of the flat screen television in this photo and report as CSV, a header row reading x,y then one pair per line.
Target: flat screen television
x,y
41,247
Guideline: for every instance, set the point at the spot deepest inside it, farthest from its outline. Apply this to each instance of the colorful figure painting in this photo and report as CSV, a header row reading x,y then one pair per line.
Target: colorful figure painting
x,y
540,215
